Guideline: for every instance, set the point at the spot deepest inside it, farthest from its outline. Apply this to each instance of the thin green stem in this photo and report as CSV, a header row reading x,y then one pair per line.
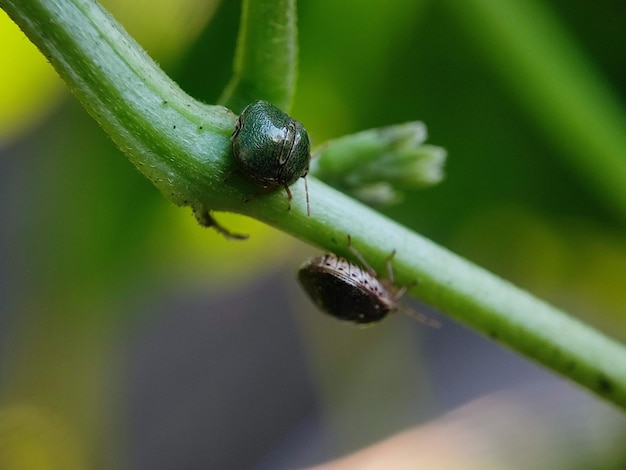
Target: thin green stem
x,y
266,59
183,146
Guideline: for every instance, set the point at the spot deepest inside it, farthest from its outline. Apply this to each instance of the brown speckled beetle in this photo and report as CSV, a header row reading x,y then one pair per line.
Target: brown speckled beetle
x,y
348,292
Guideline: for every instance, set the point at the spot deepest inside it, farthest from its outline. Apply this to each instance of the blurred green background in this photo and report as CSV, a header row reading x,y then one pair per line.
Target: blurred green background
x,y
132,338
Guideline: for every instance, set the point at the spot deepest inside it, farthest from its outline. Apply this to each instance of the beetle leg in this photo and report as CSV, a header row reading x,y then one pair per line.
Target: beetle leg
x,y
289,197
361,259
389,266
205,219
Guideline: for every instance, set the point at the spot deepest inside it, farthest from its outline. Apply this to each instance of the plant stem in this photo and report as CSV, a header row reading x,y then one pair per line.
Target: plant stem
x,y
183,147
266,59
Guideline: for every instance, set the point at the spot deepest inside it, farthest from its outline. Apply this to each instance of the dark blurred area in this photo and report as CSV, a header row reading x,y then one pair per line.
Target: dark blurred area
x,y
132,338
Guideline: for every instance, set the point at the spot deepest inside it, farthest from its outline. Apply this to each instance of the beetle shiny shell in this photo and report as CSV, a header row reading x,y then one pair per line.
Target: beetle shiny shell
x,y
346,291
270,148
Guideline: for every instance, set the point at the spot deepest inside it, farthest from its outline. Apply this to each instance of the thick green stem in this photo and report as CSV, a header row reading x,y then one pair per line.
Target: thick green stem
x,y
175,141
183,146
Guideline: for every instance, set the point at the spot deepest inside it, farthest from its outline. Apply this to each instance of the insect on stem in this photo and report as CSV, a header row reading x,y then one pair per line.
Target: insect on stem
x,y
271,149
348,292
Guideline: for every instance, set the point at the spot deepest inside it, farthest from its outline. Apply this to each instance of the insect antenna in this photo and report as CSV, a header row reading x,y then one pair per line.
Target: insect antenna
x,y
306,191
420,317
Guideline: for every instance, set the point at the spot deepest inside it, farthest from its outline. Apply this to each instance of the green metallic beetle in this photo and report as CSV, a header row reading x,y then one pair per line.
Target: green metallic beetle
x,y
271,148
